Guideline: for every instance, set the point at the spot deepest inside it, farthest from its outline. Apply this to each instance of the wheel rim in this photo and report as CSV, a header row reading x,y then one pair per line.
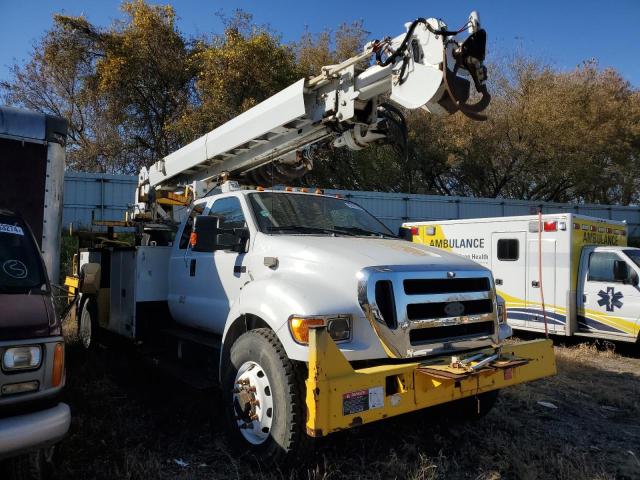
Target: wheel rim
x,y
253,403
85,328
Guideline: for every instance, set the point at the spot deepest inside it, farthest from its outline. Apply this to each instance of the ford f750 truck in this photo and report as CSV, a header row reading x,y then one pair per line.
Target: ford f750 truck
x,y
310,313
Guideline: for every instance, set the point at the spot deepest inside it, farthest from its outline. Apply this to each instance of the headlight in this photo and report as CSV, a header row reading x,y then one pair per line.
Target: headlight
x,y
338,327
21,358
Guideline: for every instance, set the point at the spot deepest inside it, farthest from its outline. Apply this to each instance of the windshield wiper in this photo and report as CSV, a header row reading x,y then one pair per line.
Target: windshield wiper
x,y
362,231
308,229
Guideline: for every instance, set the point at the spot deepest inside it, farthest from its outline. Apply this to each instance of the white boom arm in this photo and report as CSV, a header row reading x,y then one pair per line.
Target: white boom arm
x,y
344,106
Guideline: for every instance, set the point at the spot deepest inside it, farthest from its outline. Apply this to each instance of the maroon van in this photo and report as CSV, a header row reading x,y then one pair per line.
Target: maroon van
x,y
32,371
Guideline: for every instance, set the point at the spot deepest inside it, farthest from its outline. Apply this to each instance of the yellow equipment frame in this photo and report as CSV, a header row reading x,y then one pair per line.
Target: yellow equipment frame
x,y
336,391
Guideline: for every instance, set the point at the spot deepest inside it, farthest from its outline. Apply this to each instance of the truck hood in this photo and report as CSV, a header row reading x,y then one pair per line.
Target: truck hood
x,y
358,252
24,316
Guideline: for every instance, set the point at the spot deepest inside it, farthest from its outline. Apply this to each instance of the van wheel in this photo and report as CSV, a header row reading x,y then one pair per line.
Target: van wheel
x,y
88,324
264,400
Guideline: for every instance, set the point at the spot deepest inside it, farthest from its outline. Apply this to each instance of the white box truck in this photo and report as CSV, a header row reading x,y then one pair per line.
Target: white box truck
x,y
587,280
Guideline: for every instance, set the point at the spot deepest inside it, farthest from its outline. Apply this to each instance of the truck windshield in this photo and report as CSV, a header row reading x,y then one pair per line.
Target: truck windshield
x,y
308,214
21,268
633,255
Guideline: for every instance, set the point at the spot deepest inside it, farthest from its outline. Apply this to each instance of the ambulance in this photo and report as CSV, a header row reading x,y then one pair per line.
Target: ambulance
x,y
563,273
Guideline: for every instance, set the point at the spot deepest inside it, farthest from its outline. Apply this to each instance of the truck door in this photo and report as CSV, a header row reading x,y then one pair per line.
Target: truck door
x,y
535,320
181,282
212,279
508,262
608,300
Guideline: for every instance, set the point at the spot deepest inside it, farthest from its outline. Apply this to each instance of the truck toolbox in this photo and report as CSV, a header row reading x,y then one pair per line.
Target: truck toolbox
x,y
340,397
33,430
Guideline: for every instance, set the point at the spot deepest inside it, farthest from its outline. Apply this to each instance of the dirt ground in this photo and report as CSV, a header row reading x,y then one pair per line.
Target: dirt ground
x,y
130,423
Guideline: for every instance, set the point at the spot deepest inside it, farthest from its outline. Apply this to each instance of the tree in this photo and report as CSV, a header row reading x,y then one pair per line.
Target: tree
x,y
235,71
120,88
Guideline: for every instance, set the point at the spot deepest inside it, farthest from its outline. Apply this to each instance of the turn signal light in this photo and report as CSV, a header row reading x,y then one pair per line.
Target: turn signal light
x,y
300,328
57,375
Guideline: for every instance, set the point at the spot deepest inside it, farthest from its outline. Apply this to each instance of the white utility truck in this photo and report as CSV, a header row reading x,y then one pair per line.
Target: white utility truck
x,y
311,314
575,271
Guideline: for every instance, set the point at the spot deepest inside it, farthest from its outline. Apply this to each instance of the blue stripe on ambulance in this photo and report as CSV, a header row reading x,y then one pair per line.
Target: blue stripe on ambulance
x,y
535,315
588,323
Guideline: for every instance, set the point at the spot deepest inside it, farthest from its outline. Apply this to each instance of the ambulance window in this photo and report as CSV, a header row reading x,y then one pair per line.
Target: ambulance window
x,y
601,266
508,249
188,226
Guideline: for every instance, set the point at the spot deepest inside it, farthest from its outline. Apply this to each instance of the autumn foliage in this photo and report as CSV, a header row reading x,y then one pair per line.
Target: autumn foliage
x,y
139,89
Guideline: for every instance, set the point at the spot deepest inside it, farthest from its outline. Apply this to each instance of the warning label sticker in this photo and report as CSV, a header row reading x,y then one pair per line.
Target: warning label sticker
x,y
355,402
362,400
4,228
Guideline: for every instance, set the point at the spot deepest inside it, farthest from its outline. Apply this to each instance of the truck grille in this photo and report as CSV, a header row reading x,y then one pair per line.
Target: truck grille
x,y
425,311
425,286
425,335
385,302
428,311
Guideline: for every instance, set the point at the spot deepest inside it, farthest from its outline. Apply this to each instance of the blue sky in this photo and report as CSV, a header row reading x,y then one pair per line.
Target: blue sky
x,y
563,33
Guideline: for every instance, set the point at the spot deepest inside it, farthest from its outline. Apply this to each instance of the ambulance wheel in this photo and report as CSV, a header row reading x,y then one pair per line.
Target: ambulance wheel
x,y
264,400
88,323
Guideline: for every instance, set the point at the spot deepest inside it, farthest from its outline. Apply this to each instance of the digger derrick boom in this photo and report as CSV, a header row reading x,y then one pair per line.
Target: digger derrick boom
x,y
348,105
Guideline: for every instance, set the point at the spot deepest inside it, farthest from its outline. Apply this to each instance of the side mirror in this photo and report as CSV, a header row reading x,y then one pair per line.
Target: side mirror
x,y
405,234
621,271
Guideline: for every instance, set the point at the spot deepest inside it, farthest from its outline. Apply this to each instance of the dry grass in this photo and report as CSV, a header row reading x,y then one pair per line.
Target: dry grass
x,y
130,423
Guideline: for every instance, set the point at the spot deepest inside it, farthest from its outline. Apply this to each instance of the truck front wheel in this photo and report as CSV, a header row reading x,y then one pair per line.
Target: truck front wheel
x,y
264,399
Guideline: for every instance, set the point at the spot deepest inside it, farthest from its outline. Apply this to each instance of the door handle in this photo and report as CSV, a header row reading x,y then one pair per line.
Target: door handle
x,y
584,297
535,284
498,281
192,267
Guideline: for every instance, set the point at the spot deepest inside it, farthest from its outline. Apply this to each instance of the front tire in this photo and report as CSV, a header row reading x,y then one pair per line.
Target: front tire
x,y
264,399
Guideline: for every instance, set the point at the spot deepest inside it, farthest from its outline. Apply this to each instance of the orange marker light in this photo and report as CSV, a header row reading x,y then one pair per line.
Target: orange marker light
x,y
57,374
299,328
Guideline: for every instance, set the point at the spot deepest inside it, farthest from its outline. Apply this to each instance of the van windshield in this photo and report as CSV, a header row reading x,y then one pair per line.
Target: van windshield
x,y
633,255
21,268
309,214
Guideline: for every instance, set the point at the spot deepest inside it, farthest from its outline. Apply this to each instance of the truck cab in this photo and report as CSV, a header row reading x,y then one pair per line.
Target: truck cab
x,y
292,258
608,294
32,375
